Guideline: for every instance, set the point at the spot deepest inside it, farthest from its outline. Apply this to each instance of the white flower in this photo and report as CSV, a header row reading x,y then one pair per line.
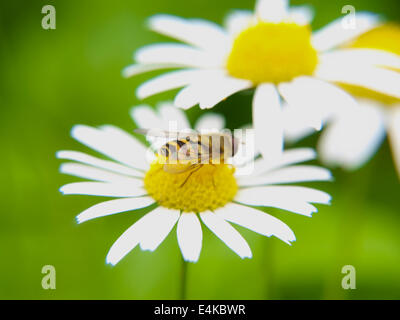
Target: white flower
x,y
272,50
355,131
213,193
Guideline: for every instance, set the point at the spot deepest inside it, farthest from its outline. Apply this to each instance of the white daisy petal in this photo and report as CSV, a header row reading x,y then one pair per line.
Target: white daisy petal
x,y
288,192
370,77
289,156
201,33
114,206
352,138
291,174
238,20
282,199
99,163
159,224
227,234
175,53
169,113
394,136
218,89
272,10
113,143
169,81
301,15
210,121
126,242
188,96
314,100
146,117
190,236
297,125
92,173
267,122
337,33
136,69
256,221
119,189
363,57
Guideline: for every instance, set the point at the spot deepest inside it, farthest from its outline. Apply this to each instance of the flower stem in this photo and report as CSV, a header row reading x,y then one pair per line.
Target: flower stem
x,y
183,279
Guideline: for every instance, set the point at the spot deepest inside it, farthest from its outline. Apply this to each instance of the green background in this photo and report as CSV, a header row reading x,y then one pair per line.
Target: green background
x,y
53,79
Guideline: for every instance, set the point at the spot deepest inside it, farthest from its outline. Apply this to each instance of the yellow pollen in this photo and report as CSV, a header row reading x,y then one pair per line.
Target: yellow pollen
x,y
385,37
209,188
272,52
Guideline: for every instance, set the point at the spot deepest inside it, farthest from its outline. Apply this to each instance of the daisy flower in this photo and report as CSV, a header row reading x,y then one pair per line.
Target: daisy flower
x,y
355,132
272,50
214,195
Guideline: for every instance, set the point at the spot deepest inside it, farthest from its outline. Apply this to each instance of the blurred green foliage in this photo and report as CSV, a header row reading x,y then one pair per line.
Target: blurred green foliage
x,y
53,79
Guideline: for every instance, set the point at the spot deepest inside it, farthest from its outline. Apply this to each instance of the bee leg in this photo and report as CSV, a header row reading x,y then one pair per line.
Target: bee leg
x,y
189,175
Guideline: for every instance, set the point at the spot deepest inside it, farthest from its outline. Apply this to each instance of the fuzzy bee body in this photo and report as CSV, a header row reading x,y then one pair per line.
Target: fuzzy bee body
x,y
190,151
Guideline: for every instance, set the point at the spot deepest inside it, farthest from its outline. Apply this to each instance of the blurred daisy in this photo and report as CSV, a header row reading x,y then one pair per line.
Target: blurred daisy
x,y
271,50
215,194
355,131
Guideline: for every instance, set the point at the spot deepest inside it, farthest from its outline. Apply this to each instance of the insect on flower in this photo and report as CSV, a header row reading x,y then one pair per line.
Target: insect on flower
x,y
190,151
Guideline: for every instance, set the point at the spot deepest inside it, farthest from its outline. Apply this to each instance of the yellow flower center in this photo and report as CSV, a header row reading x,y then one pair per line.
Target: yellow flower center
x,y
272,52
208,188
385,37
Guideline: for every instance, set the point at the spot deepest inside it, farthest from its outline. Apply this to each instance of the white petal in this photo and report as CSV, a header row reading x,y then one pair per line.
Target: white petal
x,y
217,89
256,221
352,138
114,206
127,241
201,33
301,15
115,189
192,94
272,10
210,121
363,57
99,163
136,69
238,20
314,101
289,156
227,234
190,236
394,136
113,143
188,96
178,54
146,117
278,198
267,122
374,78
92,173
297,125
173,116
169,81
290,174
338,32
289,193
159,223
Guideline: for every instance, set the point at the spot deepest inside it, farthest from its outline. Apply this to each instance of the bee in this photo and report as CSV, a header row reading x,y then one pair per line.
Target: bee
x,y
190,151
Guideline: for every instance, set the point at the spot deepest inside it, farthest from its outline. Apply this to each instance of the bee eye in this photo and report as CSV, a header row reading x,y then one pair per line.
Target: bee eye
x,y
188,138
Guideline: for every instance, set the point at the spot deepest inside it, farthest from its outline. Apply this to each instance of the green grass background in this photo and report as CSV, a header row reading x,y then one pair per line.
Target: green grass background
x,y
53,79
